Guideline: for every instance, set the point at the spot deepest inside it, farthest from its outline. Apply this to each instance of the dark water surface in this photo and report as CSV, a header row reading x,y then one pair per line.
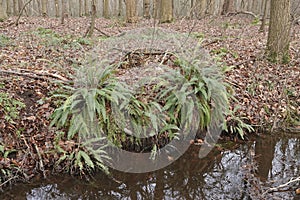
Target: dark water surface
x,y
243,173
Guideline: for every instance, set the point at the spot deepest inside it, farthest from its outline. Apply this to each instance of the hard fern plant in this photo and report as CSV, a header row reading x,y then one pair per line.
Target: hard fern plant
x,y
85,114
197,96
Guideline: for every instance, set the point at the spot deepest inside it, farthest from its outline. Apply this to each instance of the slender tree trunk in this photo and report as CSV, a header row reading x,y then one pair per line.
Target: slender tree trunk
x,y
120,8
131,14
15,7
44,8
146,9
106,8
264,18
93,18
156,9
70,8
8,8
63,11
38,2
86,9
80,8
202,6
20,5
279,31
56,8
3,14
166,11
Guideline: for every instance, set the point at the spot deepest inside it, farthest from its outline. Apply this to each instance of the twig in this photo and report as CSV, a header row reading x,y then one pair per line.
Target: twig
x,y
282,185
41,160
11,178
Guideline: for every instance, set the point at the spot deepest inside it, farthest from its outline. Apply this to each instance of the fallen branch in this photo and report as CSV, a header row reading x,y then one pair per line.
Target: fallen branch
x,y
242,12
105,34
273,189
245,61
36,75
212,42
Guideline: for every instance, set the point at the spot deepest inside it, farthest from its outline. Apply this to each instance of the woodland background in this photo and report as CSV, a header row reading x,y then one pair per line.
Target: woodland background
x,y
116,8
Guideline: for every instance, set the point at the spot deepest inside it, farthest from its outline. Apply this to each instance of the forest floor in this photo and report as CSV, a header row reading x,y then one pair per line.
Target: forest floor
x,y
41,51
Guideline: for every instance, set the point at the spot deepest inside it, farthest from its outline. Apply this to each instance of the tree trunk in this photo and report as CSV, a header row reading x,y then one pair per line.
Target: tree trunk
x,y
80,8
20,5
3,14
131,14
146,9
86,10
44,8
56,8
8,7
264,18
156,9
279,31
211,7
106,9
93,18
120,8
70,8
63,11
166,11
15,7
228,7
202,7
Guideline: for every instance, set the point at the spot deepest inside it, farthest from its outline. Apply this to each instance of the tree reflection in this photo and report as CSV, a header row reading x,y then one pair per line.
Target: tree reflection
x,y
226,175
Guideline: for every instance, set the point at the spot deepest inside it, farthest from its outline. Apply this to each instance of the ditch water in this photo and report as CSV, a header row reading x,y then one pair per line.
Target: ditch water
x,y
245,172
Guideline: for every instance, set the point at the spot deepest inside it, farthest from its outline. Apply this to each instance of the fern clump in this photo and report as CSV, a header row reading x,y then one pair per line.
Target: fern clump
x,y
140,98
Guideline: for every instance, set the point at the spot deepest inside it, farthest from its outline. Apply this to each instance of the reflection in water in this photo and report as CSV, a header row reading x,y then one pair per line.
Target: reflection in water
x,y
227,175
264,151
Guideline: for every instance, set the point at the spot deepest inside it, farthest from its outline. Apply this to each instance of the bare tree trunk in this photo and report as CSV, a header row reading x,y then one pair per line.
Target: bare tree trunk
x,y
86,10
56,8
146,9
63,11
70,13
90,30
228,7
131,14
106,8
39,6
44,8
279,31
120,8
20,5
80,8
211,7
264,18
3,14
8,7
156,9
166,11
202,6
15,7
